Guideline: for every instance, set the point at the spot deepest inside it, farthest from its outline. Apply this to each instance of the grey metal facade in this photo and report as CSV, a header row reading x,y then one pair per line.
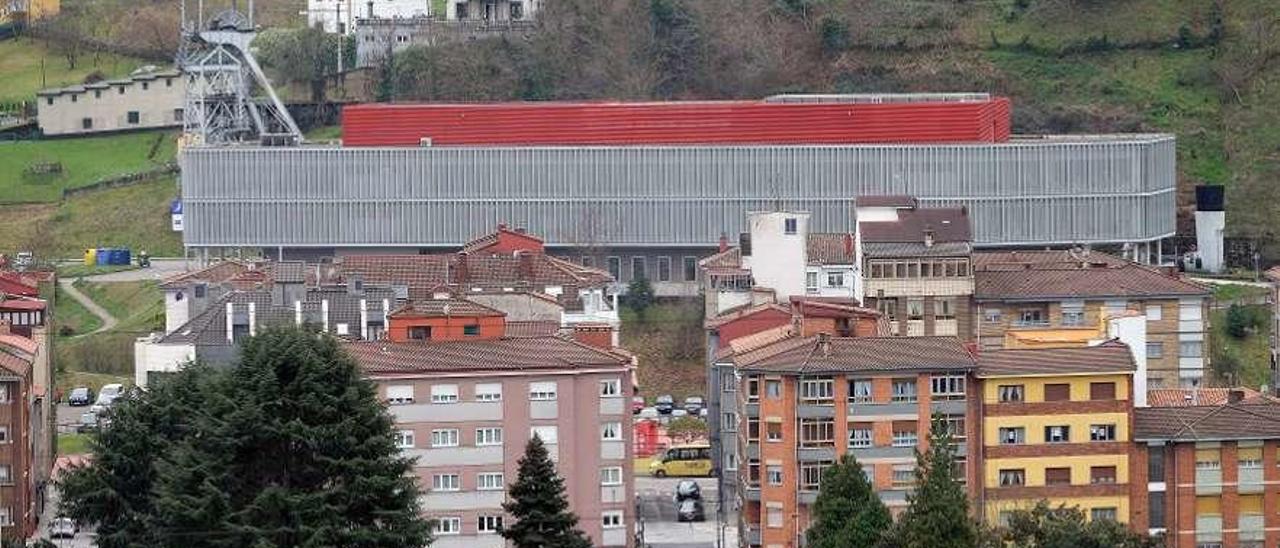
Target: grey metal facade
x,y
1056,190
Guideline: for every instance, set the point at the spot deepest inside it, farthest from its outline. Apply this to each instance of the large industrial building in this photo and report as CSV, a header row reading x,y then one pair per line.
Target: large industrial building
x,y
639,189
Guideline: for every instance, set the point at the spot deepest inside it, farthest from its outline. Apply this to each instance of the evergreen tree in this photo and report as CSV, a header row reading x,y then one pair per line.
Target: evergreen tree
x,y
538,504
640,295
938,511
848,513
1044,526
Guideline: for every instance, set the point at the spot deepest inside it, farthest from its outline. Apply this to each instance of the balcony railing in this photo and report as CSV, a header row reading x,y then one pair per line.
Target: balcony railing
x,y
1029,323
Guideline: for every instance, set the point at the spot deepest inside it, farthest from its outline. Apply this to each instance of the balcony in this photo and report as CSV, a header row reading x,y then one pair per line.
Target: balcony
x,y
815,411
751,493
1250,479
864,453
751,535
808,496
1028,324
816,453
1208,481
875,410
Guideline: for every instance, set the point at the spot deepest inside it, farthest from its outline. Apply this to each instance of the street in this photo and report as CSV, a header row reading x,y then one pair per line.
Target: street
x,y
658,515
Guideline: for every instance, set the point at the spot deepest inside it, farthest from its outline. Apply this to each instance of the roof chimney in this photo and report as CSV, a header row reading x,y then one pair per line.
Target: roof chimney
x,y
1235,395
526,266
824,344
724,242
599,335
462,273
848,245
928,237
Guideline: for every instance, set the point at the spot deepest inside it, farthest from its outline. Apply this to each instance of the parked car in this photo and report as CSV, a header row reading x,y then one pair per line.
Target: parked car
x,y
63,528
688,489
694,404
690,510
679,413
637,403
88,422
109,393
648,413
665,403
80,396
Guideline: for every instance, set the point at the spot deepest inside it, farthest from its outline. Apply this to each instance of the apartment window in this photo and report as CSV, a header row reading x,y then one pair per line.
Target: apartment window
x,y
471,330
48,101
991,315
542,391
811,475
419,332
488,436
587,261
611,431
773,431
728,381
75,98
6,474
1057,434
1155,463
448,526
817,433
1155,509
773,474
97,94
611,519
1250,463
610,388
817,391
444,437
404,439
4,434
489,391
489,481
1102,432
177,115
489,524
730,461
915,309
1099,514
460,11
860,390
773,517
1013,477
860,435
85,123
548,434
690,269
888,307
1191,349
1057,476
753,472
1057,392
614,265
517,11
611,475
1155,312
1031,316
664,269
789,225
944,308
1102,391
729,421
753,388
1102,474
6,516
811,282
773,388
902,476
400,394
168,82
1155,349
947,387
638,268
1072,318
133,117
904,434
904,390
955,427
835,279
1013,436
1207,462
444,393
753,429
1010,393
445,482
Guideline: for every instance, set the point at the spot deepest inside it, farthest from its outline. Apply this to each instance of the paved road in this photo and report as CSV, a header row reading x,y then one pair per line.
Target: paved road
x,y
658,515
108,321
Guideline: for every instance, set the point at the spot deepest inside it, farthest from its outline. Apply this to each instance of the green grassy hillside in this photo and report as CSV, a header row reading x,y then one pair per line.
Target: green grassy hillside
x,y
135,216
83,161
27,66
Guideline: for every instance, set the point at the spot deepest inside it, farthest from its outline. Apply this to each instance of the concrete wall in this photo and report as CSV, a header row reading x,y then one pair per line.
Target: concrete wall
x,y
780,252
153,357
157,102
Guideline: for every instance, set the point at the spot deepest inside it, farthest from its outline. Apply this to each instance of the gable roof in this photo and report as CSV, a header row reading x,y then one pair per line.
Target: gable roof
x,y
434,308
1232,421
13,283
744,311
1127,281
506,354
821,354
213,274
1043,258
502,233
830,249
887,200
949,224
1187,397
1110,357
424,274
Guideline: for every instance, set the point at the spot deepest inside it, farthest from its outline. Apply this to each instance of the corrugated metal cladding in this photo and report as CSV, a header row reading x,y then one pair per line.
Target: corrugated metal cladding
x,y
707,123
1046,191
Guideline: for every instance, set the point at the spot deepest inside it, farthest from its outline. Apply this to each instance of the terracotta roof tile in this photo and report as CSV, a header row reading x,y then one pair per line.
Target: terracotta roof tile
x,y
742,312
1049,259
22,303
1208,422
508,354
213,274
1044,283
432,308
423,274
949,224
1186,397
829,249
886,354
1112,357
532,328
875,250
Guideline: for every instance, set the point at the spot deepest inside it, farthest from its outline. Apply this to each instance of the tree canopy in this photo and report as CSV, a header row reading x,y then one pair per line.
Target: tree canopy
x,y
1045,526
848,513
937,515
537,503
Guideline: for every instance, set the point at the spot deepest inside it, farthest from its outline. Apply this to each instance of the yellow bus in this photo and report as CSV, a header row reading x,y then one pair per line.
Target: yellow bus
x,y
682,460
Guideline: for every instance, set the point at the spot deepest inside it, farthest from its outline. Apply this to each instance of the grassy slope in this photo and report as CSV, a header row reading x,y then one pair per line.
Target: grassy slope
x,y
668,344
1253,351
73,444
135,216
71,315
107,357
84,161
21,61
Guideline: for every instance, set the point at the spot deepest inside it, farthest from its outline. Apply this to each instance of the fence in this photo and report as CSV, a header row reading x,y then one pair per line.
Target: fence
x,y
122,180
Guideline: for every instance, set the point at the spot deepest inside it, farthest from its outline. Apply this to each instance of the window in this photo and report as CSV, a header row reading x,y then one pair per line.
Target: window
x,y
611,519
753,472
342,329
991,315
811,282
773,388
888,307
904,390
729,421
611,475
773,473
448,526
6,516
542,391
133,117
773,516
811,475
902,476
1098,514
1155,313
1013,478
789,225
817,433
75,98
489,524
1155,463
517,11
1155,349
728,381
146,86
904,434
835,279
690,269
1057,392
1057,434
85,123
444,393
1057,476
1102,474
488,436
1155,509
489,481
610,388
611,431
1102,432
168,82
860,390
404,439
400,394
753,388
588,261
471,330
817,391
730,461
1250,463
460,11
774,431
944,308
1013,436
419,332
1010,393
753,429
1102,390
548,434
121,90
955,427
664,269
48,101
445,482
4,434
1191,349
489,391
1072,318
638,268
444,437
97,94
947,387
615,267
859,435
201,290
915,309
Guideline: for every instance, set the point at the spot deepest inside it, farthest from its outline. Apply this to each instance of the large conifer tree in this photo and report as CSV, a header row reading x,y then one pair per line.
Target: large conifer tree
x,y
538,505
848,513
938,511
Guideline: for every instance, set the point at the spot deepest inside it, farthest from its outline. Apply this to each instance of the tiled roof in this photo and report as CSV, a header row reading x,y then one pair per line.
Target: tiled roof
x,y
507,354
1208,422
742,312
531,328
21,303
432,308
209,327
746,346
482,242
289,272
888,200
19,342
949,224
1040,283
1111,357
423,274
840,354
213,274
1273,273
1047,259
729,258
15,363
877,250
829,249
14,283
1187,397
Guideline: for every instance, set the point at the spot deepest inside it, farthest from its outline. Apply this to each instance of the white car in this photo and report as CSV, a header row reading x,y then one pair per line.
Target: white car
x,y
62,528
109,393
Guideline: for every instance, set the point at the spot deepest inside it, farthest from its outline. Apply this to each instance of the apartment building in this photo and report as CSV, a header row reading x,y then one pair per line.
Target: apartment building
x,y
1077,289
805,401
1205,468
492,10
1057,424
24,434
917,265
466,408
144,100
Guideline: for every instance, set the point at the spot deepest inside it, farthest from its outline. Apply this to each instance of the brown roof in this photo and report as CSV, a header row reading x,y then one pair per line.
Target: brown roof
x,y
1110,357
508,354
949,224
765,341
743,311
878,250
828,249
1047,259
890,200
1048,283
1187,397
1273,273
16,356
820,354
1232,421
482,242
432,308
214,274
423,274
532,328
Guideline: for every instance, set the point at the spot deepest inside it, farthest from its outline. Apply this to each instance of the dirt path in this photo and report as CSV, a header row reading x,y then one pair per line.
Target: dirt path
x,y
108,321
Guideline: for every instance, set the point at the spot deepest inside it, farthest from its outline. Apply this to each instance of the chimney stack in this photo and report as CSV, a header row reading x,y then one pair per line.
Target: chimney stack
x,y
724,242
599,335
848,245
526,266
1235,395
824,344
462,272
928,237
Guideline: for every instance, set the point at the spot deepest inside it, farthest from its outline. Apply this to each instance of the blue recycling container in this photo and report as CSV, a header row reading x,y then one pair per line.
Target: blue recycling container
x,y
121,256
104,256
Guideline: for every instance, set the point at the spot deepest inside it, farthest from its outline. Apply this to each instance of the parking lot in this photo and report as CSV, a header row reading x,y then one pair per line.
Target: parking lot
x,y
658,523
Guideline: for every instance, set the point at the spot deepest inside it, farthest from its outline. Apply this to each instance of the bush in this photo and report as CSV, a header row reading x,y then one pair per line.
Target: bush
x,y
687,429
1244,320
640,295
